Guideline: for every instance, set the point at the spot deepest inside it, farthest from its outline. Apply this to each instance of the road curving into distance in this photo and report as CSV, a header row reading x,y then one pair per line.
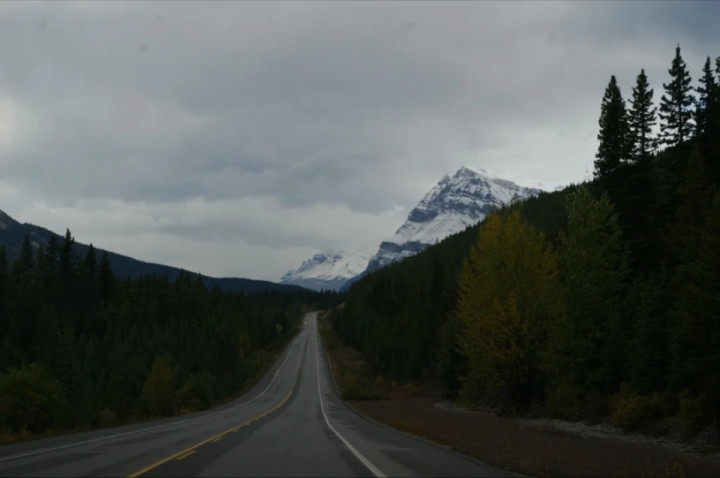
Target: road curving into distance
x,y
292,423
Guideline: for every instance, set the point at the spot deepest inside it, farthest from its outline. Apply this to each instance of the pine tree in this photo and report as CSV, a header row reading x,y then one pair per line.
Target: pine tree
x,y
90,265
694,196
27,256
676,113
641,118
706,110
3,265
614,132
649,340
52,253
696,328
717,91
68,260
107,278
3,292
593,265
89,286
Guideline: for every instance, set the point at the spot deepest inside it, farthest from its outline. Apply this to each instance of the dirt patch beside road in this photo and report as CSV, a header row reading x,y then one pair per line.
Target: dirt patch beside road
x,y
533,449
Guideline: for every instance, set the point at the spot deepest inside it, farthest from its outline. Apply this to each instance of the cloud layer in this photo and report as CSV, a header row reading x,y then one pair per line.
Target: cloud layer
x,y
238,138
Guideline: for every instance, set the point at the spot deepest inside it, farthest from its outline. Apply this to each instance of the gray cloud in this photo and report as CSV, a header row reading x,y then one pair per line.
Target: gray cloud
x,y
182,131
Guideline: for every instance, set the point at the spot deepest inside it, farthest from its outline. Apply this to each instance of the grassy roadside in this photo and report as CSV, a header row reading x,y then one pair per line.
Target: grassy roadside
x,y
509,444
353,376
347,366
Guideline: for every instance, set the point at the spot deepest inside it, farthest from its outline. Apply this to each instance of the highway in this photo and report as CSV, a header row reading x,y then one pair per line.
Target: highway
x,y
292,423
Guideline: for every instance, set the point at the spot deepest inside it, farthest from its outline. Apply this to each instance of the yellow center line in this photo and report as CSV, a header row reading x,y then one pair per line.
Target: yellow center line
x,y
182,457
190,450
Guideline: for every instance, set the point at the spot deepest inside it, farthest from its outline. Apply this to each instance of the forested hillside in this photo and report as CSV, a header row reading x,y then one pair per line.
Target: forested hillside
x,y
80,348
598,302
13,233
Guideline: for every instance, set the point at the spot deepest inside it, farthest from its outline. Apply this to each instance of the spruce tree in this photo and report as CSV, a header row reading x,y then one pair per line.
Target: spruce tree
x,y
695,328
695,195
717,89
706,109
676,113
3,286
593,263
107,278
27,256
614,132
3,265
67,256
52,253
90,265
641,118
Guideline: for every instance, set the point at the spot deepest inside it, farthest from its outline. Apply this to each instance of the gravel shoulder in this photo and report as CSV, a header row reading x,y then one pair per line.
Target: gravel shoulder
x,y
536,447
539,447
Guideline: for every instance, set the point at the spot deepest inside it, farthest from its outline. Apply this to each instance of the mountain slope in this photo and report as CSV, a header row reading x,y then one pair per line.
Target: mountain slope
x,y
451,206
328,271
13,233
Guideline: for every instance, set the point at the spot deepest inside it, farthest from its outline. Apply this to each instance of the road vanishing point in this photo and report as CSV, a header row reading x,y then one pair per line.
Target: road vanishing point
x,y
292,423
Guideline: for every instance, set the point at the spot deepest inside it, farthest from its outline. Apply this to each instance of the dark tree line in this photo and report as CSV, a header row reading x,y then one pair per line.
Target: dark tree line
x,y
80,348
598,302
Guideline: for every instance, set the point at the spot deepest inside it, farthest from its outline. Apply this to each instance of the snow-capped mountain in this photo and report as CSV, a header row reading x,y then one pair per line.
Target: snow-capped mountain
x,y
451,206
328,271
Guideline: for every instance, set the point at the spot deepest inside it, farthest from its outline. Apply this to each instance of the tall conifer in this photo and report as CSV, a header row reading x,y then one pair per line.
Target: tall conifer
x,y
593,267
641,118
613,149
67,256
706,109
676,115
3,281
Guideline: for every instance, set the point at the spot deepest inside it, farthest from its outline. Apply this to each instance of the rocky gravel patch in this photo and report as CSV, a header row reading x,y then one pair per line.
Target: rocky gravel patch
x,y
541,447
705,444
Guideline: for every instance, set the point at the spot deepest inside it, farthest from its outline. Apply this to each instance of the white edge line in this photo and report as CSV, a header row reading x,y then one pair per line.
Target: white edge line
x,y
368,464
159,427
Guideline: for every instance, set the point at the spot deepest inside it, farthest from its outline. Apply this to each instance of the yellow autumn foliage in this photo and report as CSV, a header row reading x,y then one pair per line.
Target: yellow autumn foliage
x,y
509,294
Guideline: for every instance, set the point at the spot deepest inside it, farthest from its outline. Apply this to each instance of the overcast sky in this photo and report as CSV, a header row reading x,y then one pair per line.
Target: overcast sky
x,y
239,138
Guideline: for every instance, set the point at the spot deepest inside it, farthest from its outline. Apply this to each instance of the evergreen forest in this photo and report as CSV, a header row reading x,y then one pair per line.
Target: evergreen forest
x,y
80,348
600,302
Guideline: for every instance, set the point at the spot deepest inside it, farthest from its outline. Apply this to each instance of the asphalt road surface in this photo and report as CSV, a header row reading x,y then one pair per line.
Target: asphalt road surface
x,y
292,423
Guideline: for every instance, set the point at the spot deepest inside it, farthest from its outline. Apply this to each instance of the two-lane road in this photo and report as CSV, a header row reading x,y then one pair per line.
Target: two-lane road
x,y
292,423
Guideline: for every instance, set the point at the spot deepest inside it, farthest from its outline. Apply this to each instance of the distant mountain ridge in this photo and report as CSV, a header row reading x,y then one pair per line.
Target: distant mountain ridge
x,y
328,271
13,233
450,207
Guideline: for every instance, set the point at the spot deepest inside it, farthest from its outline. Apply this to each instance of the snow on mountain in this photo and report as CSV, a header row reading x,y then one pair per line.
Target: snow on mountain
x,y
448,208
328,271
451,206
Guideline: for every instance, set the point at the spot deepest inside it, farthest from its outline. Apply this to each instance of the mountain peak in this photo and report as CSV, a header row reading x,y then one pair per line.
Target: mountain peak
x,y
328,270
471,171
452,205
